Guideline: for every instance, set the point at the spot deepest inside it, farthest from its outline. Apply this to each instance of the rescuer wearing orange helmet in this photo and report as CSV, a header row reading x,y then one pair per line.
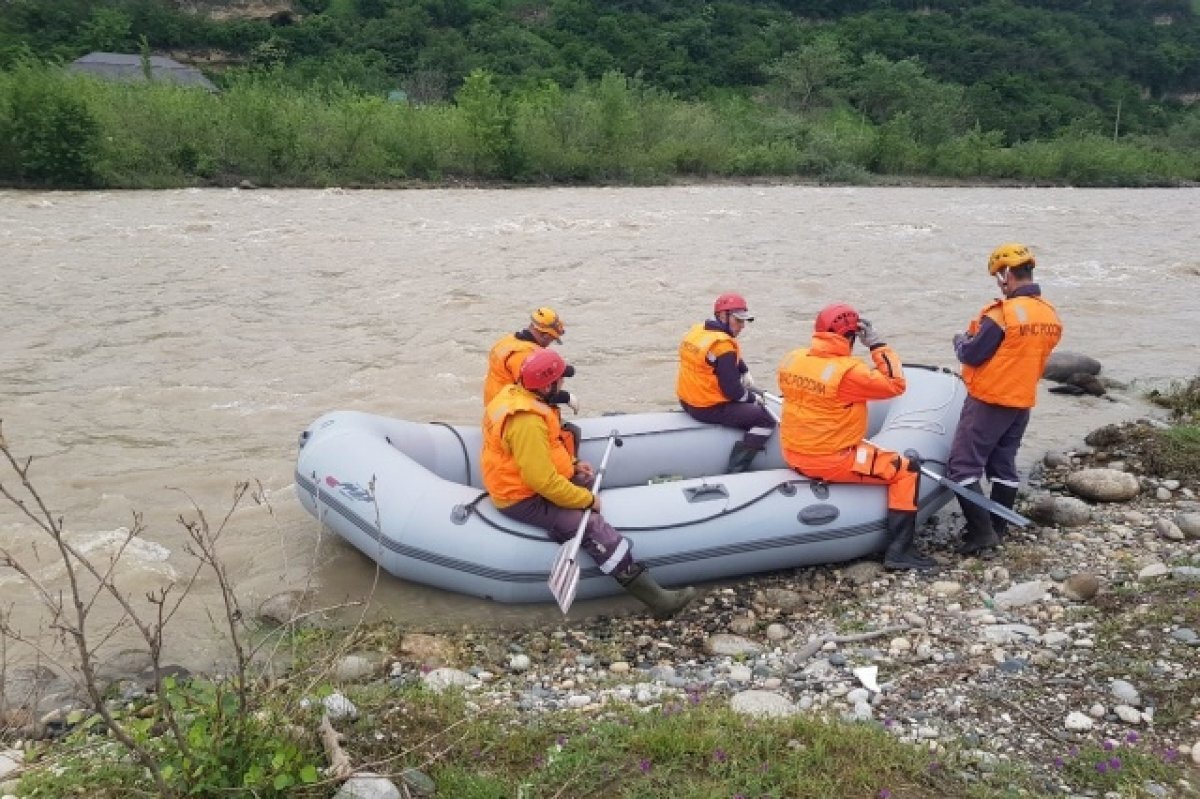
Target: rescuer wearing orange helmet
x,y
714,384
1003,354
506,356
825,394
532,476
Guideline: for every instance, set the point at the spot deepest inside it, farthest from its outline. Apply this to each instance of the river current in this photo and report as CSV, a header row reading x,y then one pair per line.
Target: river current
x,y
159,347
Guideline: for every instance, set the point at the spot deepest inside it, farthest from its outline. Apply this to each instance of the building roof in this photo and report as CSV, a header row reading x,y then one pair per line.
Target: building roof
x,y
126,66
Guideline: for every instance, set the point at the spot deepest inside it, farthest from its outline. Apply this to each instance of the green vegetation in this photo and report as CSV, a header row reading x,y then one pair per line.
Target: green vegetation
x,y
68,130
1175,452
227,750
578,90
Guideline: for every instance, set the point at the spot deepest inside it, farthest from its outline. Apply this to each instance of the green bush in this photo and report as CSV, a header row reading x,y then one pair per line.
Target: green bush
x,y
48,135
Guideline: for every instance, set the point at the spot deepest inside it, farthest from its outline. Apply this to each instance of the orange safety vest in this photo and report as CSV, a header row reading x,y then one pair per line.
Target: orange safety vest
x,y
504,364
815,421
1009,378
501,473
697,382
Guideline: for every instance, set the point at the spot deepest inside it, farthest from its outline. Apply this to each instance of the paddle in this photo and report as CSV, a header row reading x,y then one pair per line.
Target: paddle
x,y
564,572
971,496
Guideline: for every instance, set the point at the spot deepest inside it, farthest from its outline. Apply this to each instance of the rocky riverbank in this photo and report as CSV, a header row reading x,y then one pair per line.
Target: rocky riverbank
x,y
1073,652
1077,645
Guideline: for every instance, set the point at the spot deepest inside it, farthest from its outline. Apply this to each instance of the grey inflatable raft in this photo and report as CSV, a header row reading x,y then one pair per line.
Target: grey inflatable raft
x,y
409,495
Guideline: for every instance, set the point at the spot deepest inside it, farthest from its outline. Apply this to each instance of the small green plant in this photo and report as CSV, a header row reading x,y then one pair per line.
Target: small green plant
x,y
1122,766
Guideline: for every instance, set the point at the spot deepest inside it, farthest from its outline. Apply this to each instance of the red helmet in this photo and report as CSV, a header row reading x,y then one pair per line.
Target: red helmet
x,y
542,369
735,303
838,318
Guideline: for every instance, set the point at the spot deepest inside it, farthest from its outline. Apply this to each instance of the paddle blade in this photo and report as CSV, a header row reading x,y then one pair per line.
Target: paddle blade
x,y
564,579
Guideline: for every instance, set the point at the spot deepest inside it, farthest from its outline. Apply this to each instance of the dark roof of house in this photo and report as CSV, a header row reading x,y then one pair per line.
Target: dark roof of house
x,y
126,66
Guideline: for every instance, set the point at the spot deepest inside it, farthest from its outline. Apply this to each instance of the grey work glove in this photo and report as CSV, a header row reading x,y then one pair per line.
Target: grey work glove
x,y
573,403
867,334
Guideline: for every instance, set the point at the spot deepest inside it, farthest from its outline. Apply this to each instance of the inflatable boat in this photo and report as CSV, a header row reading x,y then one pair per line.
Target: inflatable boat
x,y
409,495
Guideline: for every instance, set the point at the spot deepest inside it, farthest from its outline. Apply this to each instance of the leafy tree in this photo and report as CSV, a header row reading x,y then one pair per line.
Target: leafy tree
x,y
811,76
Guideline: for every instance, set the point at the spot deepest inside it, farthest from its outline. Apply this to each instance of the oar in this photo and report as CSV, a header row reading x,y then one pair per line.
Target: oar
x,y
564,572
971,496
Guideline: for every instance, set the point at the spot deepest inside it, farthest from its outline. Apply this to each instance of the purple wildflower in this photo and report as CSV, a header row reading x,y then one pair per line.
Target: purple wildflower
x,y
1108,745
1102,767
1058,763
1171,755
1114,763
645,765
1073,751
539,761
885,794
719,755
1132,737
935,766
561,740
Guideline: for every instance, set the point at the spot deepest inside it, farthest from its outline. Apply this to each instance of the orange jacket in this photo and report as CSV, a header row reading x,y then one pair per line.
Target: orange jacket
x,y
825,391
504,364
697,382
1032,330
524,452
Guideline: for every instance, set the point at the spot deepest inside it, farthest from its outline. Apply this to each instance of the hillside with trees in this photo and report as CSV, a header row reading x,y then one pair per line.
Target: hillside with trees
x,y
913,77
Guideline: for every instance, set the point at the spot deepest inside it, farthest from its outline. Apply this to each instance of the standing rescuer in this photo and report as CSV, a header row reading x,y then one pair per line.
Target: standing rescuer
x,y
825,393
531,475
714,384
1003,354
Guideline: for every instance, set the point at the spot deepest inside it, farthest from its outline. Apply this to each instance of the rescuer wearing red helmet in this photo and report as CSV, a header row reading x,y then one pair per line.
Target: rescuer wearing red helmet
x,y
531,475
714,384
1003,354
825,394
506,356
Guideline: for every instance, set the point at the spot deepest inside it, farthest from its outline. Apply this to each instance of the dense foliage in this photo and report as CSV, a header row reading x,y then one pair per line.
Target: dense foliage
x,y
809,87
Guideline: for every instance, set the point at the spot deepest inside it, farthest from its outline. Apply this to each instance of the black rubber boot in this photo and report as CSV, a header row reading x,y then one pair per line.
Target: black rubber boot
x,y
740,457
901,552
979,534
662,602
1006,496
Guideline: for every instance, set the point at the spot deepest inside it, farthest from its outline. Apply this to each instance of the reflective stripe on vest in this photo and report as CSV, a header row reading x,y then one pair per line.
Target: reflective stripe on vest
x,y
1031,331
503,369
697,382
815,421
501,473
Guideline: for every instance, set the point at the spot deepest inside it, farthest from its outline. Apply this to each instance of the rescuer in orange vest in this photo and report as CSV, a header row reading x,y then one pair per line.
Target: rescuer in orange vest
x,y
531,475
825,393
506,356
714,384
1003,354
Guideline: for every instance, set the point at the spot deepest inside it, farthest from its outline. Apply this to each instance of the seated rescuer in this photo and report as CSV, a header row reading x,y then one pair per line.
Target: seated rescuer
x,y
825,393
714,384
531,476
1003,354
506,356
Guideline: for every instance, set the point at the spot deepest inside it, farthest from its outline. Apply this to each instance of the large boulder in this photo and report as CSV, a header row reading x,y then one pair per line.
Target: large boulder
x,y
1103,485
1062,365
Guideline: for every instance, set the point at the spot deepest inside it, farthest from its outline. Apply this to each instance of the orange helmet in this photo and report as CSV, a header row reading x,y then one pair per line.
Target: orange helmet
x,y
1010,256
734,303
545,320
838,318
542,369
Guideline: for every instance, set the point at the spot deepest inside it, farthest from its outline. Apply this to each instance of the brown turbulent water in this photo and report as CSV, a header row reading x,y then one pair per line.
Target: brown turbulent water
x,y
159,347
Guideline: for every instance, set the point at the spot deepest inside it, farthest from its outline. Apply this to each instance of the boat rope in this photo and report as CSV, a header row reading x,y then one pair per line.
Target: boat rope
x,y
909,420
461,443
